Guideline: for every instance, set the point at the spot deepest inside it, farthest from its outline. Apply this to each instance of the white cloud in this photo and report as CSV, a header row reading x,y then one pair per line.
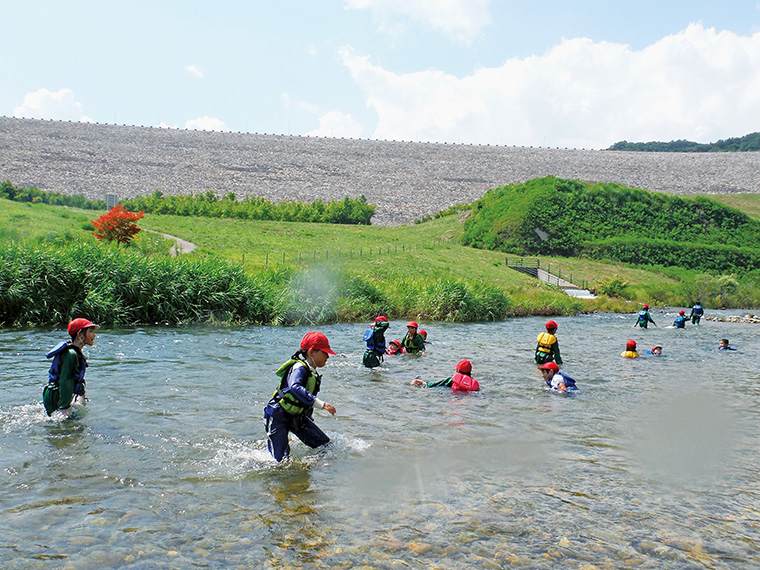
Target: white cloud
x,y
698,84
195,71
299,105
337,124
461,20
206,123
59,105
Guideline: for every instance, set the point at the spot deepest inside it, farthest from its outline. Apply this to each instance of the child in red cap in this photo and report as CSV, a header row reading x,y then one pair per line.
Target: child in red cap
x,y
374,336
412,342
292,406
394,347
630,350
460,381
66,385
555,379
547,349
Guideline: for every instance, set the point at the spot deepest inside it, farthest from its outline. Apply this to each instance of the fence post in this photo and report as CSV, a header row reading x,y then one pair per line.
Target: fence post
x,y
283,258
244,257
299,258
266,262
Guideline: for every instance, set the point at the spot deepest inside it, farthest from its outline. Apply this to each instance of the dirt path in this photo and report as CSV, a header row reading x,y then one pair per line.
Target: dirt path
x,y
180,245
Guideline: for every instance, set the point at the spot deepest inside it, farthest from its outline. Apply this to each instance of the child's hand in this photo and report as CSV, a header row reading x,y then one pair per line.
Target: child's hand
x,y
330,408
417,382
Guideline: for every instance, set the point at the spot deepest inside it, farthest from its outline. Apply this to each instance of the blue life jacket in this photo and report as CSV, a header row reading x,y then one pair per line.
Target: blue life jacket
x,y
680,322
369,338
54,374
566,380
698,310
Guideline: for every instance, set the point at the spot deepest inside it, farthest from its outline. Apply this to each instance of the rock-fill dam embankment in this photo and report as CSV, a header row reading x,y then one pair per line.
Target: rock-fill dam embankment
x,y
406,180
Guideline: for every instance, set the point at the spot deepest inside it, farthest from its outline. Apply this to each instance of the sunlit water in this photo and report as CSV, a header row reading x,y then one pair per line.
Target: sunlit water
x,y
654,463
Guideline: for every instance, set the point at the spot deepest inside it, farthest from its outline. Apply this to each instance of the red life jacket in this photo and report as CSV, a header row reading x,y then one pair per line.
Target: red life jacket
x,y
464,382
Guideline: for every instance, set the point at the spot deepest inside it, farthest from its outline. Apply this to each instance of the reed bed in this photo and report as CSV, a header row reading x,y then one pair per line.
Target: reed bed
x,y
45,284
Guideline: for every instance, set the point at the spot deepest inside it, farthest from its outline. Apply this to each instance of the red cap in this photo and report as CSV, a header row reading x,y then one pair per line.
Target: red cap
x,y
630,345
412,324
397,343
317,341
550,366
464,366
422,332
656,346
681,312
381,318
78,324
646,306
551,325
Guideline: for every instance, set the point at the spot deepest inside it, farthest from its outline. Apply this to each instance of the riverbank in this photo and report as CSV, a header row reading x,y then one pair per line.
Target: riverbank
x,y
298,272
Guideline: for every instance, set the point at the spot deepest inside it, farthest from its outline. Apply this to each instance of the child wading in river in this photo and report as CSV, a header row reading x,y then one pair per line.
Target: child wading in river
x,y
292,406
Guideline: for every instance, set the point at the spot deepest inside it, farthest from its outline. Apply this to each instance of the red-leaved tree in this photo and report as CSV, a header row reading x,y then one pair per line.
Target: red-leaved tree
x,y
117,225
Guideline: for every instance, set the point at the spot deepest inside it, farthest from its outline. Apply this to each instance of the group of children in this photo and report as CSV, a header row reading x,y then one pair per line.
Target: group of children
x,y
412,343
291,407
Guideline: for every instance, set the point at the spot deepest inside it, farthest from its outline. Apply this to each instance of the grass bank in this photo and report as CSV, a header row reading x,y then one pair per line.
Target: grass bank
x,y
297,272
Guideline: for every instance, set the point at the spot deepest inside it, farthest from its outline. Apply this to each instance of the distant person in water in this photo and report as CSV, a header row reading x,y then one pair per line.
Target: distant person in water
x,y
644,318
394,347
723,345
461,381
66,385
630,350
680,322
547,349
374,336
555,379
412,342
656,350
697,312
292,406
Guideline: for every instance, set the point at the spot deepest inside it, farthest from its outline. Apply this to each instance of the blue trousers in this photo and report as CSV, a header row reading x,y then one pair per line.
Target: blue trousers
x,y
279,424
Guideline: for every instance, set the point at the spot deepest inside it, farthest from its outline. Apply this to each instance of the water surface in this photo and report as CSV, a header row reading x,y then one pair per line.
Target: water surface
x,y
652,464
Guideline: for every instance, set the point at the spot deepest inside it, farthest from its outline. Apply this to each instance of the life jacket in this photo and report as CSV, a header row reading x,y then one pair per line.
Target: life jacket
x,y
411,343
643,316
282,395
698,310
680,322
464,382
630,354
546,342
372,343
54,374
566,380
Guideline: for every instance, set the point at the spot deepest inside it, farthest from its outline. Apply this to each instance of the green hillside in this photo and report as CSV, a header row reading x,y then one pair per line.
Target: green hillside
x,y
552,216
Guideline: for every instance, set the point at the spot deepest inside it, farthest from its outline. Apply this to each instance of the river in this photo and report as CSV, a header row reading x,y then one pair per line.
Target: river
x,y
653,463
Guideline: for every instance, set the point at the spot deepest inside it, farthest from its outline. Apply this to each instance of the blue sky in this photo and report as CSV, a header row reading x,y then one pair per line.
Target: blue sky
x,y
583,73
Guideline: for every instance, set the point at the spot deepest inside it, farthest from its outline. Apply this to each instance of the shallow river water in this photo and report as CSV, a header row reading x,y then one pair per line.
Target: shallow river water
x,y
653,464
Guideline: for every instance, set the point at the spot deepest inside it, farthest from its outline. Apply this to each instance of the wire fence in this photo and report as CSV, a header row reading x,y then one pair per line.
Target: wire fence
x,y
314,256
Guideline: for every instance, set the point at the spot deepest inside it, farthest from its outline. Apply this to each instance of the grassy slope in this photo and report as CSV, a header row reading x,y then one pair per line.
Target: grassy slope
x,y
435,251
747,203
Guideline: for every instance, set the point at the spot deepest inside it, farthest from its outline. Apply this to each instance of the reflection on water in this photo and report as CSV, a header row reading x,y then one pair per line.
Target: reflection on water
x,y
652,464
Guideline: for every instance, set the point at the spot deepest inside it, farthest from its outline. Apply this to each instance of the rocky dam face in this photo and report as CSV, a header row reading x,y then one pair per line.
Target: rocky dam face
x,y
405,180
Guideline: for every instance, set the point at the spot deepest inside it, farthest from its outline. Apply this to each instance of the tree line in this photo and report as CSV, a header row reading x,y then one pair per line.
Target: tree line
x,y
208,204
747,143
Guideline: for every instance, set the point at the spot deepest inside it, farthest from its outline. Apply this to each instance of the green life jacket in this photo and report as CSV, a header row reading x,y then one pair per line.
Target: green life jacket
x,y
287,401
